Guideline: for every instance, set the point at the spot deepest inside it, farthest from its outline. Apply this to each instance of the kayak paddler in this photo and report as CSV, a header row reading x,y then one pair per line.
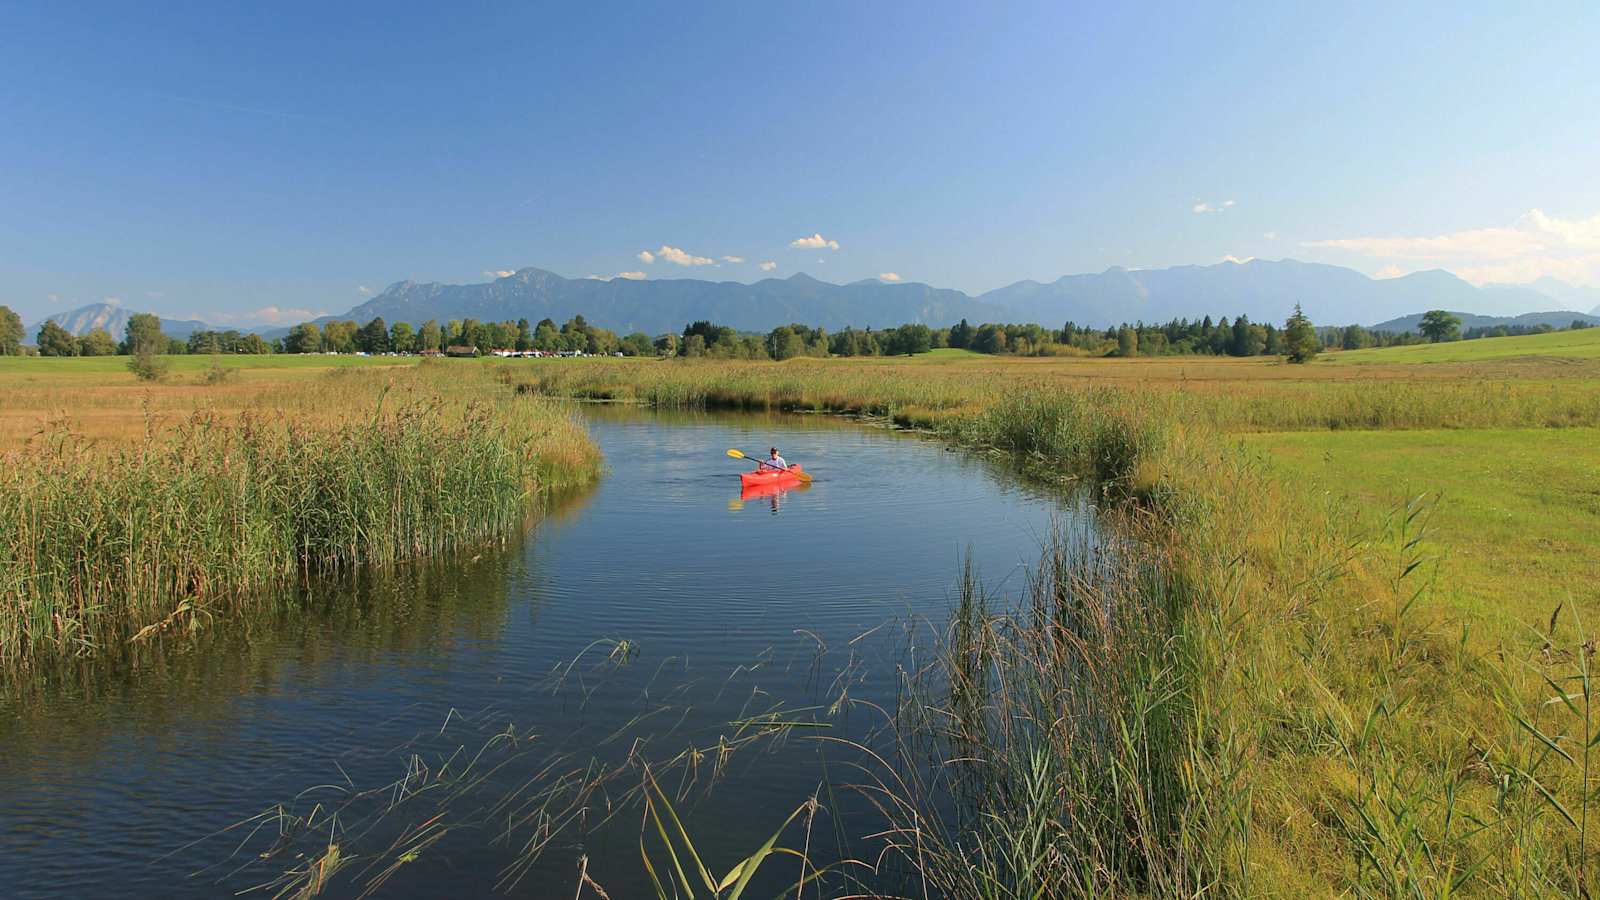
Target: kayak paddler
x,y
775,461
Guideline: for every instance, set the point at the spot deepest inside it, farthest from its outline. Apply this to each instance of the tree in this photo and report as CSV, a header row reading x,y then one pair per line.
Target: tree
x,y
401,338
524,335
340,337
990,338
1354,337
11,332
97,343
1438,325
303,338
53,340
1128,342
638,344
430,336
694,345
783,343
144,332
546,338
374,336
1300,339
960,335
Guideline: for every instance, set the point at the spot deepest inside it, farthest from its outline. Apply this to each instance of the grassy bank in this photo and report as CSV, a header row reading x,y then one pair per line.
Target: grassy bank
x,y
1314,714
190,514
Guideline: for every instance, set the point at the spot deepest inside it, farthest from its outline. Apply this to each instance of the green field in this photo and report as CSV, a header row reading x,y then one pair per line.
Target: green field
x,y
1516,512
1581,344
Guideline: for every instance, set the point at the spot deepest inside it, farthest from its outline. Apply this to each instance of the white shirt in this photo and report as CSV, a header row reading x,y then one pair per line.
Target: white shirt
x,y
776,461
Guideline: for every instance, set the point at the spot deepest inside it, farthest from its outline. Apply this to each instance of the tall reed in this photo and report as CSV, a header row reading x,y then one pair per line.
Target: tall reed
x,y
101,546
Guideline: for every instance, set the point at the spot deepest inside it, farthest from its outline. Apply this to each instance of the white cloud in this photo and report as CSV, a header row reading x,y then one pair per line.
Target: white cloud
x,y
498,273
1270,235
631,276
154,295
53,298
1202,206
1533,246
363,289
815,242
1237,260
889,276
676,255
1389,271
111,301
767,266
733,259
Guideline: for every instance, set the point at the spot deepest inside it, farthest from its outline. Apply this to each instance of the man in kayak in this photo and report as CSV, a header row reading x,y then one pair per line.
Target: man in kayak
x,y
775,461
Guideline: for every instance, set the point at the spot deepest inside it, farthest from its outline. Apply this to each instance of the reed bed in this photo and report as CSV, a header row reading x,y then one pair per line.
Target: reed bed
x,y
104,545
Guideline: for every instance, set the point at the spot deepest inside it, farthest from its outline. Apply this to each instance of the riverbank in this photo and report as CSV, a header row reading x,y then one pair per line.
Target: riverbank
x,y
180,508
1334,716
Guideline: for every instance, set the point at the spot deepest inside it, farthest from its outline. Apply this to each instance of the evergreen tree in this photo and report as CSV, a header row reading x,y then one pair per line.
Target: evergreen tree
x,y
1300,339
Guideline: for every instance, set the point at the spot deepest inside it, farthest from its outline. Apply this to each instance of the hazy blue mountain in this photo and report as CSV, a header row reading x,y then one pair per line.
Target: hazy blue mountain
x,y
667,305
1555,319
1567,296
113,319
1262,289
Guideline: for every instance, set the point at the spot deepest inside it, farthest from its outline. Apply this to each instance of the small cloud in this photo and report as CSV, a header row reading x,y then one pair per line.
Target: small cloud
x,y
1389,271
1237,260
767,266
111,301
733,259
53,298
677,256
498,273
154,295
1201,206
889,276
361,288
815,242
646,257
631,276
1270,235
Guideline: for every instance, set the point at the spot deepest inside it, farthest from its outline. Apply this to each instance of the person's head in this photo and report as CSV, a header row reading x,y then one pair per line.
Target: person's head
x,y
774,451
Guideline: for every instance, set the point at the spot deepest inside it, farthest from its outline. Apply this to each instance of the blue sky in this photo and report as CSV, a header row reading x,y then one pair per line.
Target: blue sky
x,y
258,163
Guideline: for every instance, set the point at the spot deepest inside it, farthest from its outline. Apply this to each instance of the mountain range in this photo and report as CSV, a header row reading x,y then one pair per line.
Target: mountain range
x,y
114,319
1557,319
1265,290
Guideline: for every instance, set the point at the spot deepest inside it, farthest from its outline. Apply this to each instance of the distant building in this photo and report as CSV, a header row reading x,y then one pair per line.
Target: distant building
x,y
459,350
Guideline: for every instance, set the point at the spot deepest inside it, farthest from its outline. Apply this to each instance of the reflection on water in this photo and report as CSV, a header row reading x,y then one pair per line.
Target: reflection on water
x,y
486,720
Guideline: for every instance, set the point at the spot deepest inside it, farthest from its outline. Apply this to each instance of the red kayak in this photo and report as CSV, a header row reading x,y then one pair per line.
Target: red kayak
x,y
765,476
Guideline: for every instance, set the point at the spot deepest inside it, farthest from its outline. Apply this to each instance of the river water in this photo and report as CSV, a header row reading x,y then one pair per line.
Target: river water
x,y
482,723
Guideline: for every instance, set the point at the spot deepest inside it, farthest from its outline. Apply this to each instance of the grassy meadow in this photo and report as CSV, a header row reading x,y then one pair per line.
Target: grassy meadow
x,y
1373,671
135,509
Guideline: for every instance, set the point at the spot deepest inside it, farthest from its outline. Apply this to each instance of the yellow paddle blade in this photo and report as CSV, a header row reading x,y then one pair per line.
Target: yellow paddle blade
x,y
803,476
736,454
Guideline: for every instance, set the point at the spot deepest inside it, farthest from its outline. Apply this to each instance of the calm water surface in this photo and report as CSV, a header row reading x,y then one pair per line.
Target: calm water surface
x,y
439,706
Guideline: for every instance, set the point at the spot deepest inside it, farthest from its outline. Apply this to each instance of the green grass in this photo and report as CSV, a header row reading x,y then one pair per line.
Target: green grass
x,y
1518,510
60,366
1581,344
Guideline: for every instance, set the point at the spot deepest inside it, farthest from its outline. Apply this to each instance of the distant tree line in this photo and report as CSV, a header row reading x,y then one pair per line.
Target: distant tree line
x,y
1296,339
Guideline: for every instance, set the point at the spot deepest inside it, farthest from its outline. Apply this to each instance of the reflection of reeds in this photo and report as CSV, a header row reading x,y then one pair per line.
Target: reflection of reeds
x,y
510,787
159,535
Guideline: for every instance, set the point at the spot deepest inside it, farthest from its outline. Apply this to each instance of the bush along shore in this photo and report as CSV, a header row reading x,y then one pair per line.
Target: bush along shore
x,y
196,520
1240,694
